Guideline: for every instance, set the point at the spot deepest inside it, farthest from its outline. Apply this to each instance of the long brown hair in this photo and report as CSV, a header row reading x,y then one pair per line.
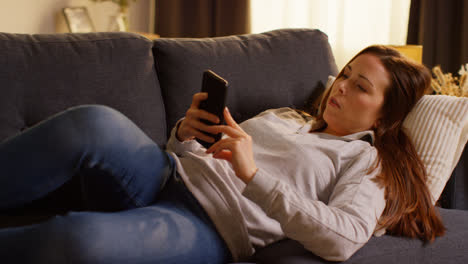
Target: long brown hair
x,y
409,210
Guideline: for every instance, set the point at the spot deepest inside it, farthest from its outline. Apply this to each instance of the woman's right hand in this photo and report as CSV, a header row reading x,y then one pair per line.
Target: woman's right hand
x,y
191,127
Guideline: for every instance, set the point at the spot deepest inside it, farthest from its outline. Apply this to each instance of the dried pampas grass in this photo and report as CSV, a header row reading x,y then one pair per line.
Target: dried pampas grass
x,y
448,85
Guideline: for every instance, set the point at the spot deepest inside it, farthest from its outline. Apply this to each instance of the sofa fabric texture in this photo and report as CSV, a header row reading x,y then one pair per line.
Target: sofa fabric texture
x,y
449,249
455,194
269,70
152,82
44,74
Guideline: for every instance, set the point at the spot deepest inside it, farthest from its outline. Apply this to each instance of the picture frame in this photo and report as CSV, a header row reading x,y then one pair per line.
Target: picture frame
x,y
78,19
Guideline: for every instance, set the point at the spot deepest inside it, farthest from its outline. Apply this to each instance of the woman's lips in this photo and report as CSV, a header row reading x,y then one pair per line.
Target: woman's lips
x,y
334,102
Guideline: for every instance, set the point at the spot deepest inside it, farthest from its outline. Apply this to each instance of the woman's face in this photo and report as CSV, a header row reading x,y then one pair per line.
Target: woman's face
x,y
357,97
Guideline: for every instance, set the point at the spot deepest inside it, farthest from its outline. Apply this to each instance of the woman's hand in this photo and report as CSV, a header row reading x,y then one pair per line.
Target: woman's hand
x,y
236,148
191,126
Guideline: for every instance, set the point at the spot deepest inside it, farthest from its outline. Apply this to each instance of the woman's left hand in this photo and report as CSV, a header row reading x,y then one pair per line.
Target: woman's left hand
x,y
236,148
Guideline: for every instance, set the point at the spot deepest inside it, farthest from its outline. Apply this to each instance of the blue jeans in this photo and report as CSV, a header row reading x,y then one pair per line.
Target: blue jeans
x,y
114,195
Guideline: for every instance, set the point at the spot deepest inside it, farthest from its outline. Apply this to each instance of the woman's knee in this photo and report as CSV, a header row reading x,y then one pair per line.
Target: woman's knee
x,y
88,117
98,121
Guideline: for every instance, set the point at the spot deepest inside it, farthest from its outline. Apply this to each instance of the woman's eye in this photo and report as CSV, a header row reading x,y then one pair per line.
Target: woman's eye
x,y
345,76
361,88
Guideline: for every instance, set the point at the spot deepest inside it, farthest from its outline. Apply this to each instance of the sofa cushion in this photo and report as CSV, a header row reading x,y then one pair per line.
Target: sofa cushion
x,y
274,69
438,127
44,74
450,248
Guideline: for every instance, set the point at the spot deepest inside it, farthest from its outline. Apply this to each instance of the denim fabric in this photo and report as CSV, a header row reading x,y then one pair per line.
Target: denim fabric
x,y
133,206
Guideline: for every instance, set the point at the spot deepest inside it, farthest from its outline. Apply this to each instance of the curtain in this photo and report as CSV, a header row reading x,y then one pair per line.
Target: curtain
x,y
442,28
201,18
350,25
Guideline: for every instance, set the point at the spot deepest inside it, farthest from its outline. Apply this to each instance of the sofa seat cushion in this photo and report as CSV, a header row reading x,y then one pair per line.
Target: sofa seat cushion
x,y
270,70
450,248
44,74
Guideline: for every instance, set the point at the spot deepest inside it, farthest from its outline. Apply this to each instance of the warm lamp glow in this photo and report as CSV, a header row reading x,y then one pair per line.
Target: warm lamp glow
x,y
411,51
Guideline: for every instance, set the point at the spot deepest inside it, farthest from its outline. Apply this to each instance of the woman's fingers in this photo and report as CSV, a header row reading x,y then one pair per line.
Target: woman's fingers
x,y
238,151
197,114
223,154
229,143
197,98
223,144
193,125
196,128
199,125
230,120
200,135
230,131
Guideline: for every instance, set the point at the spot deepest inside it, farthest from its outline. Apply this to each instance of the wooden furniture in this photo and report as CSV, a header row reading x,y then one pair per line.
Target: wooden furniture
x,y
150,36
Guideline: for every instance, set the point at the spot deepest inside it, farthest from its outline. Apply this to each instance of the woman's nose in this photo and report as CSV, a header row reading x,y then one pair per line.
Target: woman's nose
x,y
342,88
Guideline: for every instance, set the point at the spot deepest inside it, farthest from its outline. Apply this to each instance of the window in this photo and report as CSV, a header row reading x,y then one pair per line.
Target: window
x,y
351,25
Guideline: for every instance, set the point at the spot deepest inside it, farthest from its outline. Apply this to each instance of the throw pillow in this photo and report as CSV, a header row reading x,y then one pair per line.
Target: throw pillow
x,y
438,127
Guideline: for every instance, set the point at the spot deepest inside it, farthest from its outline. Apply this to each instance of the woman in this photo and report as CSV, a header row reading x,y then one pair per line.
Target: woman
x,y
324,181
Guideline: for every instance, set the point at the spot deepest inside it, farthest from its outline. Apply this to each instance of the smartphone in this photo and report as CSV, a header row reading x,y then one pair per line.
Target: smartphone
x,y
216,87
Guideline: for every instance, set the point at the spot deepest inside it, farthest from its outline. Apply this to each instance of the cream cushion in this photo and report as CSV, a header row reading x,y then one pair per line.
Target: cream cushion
x,y
438,128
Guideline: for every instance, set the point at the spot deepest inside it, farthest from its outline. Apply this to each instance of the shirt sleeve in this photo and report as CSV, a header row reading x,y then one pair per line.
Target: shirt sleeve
x,y
334,231
179,147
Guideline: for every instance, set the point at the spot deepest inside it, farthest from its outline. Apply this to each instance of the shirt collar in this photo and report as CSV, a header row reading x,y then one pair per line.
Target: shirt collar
x,y
367,135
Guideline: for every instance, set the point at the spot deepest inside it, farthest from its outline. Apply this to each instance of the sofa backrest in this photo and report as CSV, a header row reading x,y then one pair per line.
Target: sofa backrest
x,y
455,194
41,75
274,69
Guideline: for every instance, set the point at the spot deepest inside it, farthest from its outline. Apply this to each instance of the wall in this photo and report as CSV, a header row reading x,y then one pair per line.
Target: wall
x,y
39,16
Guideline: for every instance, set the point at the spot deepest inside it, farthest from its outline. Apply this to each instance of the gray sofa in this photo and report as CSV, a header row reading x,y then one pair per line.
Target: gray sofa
x,y
152,83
